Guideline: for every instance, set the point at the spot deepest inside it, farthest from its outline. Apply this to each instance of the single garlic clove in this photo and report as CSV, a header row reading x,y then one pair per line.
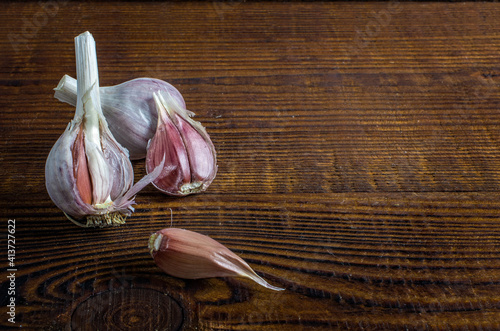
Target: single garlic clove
x,y
88,174
190,157
191,255
129,109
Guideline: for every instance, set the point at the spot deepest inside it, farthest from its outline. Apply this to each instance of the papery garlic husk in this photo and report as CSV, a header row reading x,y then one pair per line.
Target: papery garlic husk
x,y
191,255
129,109
190,157
88,174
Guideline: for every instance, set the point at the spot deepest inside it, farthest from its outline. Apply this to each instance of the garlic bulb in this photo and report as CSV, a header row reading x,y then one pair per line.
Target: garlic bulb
x,y
88,174
129,109
191,255
190,157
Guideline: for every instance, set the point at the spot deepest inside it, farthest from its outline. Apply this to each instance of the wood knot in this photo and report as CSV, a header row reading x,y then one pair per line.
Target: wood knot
x,y
128,309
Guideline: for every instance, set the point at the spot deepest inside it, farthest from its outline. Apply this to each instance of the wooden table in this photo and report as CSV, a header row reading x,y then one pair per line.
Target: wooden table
x,y
359,165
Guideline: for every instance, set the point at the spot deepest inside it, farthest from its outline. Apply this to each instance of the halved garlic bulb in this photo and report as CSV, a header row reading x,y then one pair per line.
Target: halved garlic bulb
x,y
88,174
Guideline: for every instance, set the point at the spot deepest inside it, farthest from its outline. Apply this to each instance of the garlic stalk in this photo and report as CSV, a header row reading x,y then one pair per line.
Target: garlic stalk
x,y
129,109
88,174
183,143
191,255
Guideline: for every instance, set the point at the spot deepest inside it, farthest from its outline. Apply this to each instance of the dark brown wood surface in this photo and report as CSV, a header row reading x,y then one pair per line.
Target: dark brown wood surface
x,y
359,165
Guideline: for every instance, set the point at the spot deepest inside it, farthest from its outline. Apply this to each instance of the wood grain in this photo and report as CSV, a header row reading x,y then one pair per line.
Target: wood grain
x,y
358,165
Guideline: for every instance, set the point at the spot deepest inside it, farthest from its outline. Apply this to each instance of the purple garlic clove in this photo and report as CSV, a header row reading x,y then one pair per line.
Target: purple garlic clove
x,y
190,157
191,255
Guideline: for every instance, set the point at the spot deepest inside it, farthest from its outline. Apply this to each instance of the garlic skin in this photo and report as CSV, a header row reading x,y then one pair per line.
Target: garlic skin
x,y
129,109
190,157
88,174
191,255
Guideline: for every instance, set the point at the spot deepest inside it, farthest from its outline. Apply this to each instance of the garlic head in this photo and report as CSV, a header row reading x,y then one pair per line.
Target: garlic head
x,y
129,109
88,174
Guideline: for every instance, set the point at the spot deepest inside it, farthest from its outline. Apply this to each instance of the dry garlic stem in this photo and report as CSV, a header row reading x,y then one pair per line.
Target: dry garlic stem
x,y
88,174
187,254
